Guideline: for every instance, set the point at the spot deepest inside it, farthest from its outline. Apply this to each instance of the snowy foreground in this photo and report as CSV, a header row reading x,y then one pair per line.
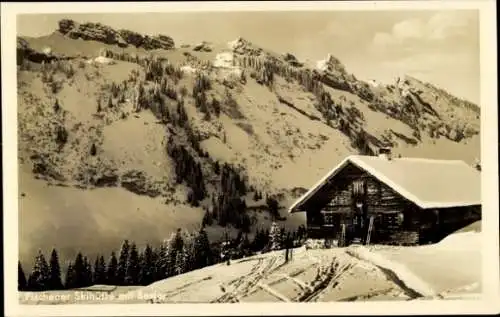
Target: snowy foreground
x,y
450,269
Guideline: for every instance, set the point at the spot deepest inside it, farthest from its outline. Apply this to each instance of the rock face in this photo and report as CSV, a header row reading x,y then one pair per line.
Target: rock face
x,y
331,64
25,52
243,47
105,34
292,60
333,73
202,47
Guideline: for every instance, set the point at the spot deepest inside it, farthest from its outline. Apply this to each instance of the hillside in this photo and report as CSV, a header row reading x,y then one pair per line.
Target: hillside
x,y
355,273
123,135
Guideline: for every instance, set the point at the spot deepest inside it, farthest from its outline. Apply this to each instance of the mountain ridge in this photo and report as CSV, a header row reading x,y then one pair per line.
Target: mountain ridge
x,y
204,128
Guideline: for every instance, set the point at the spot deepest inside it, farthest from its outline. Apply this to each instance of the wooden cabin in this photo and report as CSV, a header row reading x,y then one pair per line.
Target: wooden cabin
x,y
385,200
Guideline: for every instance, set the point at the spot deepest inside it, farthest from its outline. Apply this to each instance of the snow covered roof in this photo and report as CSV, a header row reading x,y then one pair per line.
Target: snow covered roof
x,y
427,183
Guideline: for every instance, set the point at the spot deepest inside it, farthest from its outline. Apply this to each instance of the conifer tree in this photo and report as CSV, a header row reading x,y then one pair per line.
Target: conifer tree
x,y
21,278
216,168
175,246
256,240
87,272
55,281
122,263
202,253
70,278
161,262
245,246
132,268
40,275
93,149
99,276
273,206
188,252
207,219
216,106
99,107
275,237
111,270
256,196
139,97
147,267
179,262
57,106
168,261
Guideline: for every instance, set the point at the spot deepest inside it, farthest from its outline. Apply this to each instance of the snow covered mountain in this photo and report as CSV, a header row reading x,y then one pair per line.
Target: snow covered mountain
x,y
149,137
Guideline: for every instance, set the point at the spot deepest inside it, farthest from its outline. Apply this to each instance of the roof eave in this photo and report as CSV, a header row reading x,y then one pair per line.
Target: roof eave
x,y
318,185
402,191
430,205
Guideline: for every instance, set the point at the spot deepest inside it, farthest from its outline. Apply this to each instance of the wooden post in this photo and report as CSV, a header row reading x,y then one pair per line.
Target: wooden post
x,y
370,228
342,236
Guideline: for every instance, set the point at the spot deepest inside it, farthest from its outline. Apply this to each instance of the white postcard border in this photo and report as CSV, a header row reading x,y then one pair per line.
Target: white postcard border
x,y
489,158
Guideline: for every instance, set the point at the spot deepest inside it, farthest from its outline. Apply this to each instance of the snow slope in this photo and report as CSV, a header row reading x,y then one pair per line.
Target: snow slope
x,y
355,273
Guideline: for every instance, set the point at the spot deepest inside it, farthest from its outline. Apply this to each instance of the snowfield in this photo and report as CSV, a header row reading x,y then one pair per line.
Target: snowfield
x,y
450,269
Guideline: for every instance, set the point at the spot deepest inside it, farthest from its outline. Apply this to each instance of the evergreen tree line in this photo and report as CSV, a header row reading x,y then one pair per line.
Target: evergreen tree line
x,y
157,100
44,276
187,170
201,85
265,240
265,68
310,80
362,143
228,206
163,100
181,253
155,67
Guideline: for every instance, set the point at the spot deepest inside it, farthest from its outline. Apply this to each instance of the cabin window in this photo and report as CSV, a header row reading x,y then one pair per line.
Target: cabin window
x,y
328,218
392,220
358,187
400,219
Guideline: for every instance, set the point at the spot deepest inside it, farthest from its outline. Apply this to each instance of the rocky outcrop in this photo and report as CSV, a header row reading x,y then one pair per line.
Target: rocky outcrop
x,y
161,41
292,60
139,183
105,34
147,42
333,73
25,52
202,47
243,47
91,31
331,64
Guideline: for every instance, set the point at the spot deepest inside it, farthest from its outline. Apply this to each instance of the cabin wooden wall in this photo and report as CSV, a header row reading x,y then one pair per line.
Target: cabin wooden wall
x,y
336,205
435,224
379,200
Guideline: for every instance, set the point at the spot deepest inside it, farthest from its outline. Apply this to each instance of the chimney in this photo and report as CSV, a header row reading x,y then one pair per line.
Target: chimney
x,y
385,153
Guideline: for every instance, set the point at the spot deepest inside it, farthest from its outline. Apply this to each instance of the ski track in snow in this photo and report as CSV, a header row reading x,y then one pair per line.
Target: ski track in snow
x,y
273,292
244,285
328,278
318,273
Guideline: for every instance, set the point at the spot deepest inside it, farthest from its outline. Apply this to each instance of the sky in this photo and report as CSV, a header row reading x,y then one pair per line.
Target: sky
x,y
441,47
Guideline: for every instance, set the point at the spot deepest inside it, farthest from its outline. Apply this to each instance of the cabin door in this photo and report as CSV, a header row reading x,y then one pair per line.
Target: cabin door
x,y
360,210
